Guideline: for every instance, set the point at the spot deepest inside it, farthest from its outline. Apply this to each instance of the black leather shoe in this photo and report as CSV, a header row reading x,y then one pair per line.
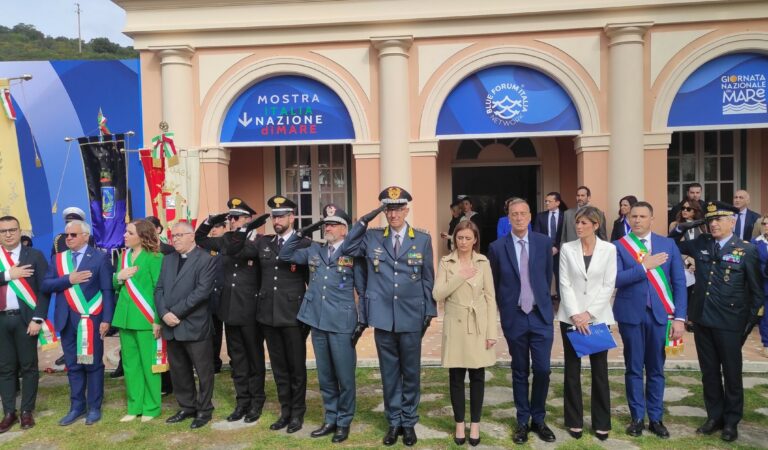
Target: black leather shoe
x,y
252,415
325,430
710,426
543,431
236,415
391,437
658,429
341,435
199,422
59,361
601,436
459,441
635,428
279,424
295,425
474,442
729,433
118,372
576,434
521,434
179,416
409,436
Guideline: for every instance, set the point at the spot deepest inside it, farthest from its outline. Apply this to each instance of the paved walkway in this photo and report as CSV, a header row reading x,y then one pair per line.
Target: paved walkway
x,y
754,361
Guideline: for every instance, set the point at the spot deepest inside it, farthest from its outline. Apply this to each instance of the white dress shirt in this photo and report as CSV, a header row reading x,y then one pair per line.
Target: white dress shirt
x,y
11,301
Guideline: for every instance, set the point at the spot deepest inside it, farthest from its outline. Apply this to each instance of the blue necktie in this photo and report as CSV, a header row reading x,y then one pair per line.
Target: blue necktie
x,y
738,226
75,256
552,225
396,247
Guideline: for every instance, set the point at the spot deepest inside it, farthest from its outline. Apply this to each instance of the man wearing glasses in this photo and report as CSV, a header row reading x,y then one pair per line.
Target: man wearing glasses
x,y
81,278
236,307
181,296
23,308
398,304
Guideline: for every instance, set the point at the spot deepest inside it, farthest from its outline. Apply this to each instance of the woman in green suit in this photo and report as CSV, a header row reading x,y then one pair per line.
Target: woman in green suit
x,y
137,319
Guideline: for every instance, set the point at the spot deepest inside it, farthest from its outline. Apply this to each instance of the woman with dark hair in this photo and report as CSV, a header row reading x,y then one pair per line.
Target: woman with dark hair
x,y
688,211
464,282
136,317
587,279
621,225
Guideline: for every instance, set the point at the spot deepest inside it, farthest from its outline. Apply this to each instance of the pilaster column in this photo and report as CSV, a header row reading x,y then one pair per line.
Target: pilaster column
x,y
625,108
214,179
655,156
394,115
592,155
177,92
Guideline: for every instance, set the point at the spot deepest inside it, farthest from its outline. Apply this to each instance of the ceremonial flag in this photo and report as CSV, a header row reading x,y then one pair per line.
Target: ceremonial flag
x,y
103,130
5,99
104,168
13,196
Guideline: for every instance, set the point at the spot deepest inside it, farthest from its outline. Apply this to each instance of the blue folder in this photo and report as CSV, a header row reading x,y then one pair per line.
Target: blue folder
x,y
600,340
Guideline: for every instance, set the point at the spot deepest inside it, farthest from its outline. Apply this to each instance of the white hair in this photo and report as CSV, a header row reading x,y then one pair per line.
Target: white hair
x,y
84,227
185,225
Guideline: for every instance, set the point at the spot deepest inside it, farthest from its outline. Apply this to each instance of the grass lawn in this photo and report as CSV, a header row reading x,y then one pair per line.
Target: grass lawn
x,y
369,426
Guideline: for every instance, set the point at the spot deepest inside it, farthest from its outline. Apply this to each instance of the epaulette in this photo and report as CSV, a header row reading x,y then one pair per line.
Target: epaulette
x,y
422,230
376,228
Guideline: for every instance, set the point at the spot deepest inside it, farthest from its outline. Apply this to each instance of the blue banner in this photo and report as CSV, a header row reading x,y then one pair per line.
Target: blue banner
x,y
287,108
729,91
508,100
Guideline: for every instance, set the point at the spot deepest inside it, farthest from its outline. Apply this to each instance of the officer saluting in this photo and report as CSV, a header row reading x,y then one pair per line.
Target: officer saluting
x,y
399,304
727,297
237,307
329,308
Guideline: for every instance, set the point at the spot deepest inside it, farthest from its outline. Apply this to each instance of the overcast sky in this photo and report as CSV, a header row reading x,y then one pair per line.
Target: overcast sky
x,y
98,18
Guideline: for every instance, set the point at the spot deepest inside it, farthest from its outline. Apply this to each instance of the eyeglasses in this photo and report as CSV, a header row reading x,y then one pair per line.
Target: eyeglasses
x,y
9,231
764,223
179,235
72,235
686,208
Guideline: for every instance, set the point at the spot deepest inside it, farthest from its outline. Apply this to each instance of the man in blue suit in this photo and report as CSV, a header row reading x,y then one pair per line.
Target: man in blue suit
x,y
398,304
649,267
329,308
81,278
521,263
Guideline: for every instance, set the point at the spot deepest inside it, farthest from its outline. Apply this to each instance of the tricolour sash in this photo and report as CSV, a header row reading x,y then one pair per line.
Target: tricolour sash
x,y
161,360
660,284
86,308
22,289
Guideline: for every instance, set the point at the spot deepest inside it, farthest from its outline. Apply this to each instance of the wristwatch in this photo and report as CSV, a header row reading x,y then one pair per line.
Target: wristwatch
x,y
38,321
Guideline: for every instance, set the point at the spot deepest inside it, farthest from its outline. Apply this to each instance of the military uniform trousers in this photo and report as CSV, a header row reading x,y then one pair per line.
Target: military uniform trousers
x,y
245,347
142,387
400,366
287,348
18,355
720,360
336,362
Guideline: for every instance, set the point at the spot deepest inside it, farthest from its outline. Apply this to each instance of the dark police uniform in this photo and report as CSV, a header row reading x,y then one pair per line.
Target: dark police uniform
x,y
60,241
727,295
237,309
399,304
329,308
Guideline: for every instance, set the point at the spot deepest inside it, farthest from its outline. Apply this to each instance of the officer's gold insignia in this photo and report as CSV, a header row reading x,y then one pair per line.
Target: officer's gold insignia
x,y
278,201
236,202
393,193
711,208
330,210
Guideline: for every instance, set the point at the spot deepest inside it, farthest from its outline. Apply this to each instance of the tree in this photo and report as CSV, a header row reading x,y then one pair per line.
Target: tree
x,y
23,42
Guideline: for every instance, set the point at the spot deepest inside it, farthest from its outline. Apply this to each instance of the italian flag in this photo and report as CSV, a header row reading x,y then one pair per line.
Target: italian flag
x,y
5,99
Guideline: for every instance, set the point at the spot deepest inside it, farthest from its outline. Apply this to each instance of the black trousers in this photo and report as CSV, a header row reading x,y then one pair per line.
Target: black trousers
x,y
218,333
183,357
18,356
287,348
245,346
720,361
601,395
476,392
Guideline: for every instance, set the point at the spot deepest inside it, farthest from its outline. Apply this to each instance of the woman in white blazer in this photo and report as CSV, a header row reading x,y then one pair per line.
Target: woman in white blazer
x,y
587,279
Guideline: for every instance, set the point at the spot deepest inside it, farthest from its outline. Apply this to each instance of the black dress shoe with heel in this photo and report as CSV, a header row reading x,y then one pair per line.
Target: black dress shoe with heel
x,y
409,436
459,440
543,431
575,434
658,428
279,424
710,426
325,430
341,435
474,442
391,437
601,436
635,428
180,416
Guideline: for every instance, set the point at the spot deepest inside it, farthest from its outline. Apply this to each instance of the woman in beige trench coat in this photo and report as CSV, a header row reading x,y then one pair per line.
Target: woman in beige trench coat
x,y
464,282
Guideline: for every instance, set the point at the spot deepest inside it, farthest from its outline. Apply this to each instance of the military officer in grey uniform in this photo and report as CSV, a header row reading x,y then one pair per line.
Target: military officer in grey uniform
x,y
398,303
237,308
727,297
329,308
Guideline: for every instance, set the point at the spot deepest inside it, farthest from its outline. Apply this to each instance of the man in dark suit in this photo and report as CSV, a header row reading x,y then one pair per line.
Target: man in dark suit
x,y
237,309
23,310
81,278
583,196
649,270
521,263
550,222
399,305
727,297
745,218
181,296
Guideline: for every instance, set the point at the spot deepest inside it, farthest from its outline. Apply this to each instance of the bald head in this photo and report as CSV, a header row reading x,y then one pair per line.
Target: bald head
x,y
741,199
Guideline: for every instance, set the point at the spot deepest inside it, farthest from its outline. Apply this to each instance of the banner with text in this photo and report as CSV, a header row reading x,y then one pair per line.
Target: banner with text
x,y
507,100
287,108
726,92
